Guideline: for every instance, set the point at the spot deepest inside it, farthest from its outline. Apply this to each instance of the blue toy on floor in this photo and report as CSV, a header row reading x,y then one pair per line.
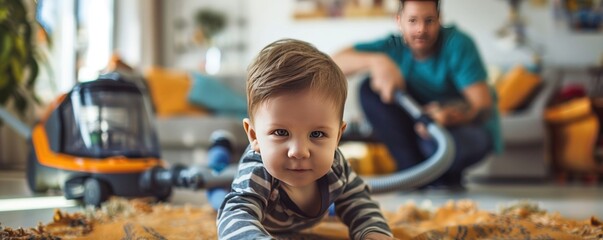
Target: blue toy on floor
x,y
219,156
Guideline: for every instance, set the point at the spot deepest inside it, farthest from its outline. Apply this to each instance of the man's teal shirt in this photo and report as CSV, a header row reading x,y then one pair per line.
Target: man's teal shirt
x,y
443,76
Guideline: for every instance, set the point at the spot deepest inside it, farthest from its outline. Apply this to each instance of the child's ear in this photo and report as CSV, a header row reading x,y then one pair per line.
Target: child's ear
x,y
343,126
251,135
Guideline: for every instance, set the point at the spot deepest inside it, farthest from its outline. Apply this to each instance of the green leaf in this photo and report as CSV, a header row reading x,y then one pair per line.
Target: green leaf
x,y
17,70
18,11
211,21
3,14
4,68
20,47
5,92
7,48
3,79
19,66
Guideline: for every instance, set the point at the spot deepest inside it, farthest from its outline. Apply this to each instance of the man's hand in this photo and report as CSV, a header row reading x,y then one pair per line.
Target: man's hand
x,y
445,116
386,77
448,115
377,236
421,130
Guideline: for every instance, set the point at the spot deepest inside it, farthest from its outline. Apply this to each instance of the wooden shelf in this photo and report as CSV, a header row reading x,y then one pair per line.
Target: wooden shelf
x,y
347,12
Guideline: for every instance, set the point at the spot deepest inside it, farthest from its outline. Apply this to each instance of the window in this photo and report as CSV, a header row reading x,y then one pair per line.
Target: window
x,y
82,41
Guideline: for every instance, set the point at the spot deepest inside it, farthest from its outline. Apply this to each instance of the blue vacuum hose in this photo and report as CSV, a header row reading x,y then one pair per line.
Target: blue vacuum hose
x,y
426,171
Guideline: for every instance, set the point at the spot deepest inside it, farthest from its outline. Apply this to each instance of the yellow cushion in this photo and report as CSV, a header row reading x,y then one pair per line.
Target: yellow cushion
x,y
515,87
369,158
570,111
169,90
384,162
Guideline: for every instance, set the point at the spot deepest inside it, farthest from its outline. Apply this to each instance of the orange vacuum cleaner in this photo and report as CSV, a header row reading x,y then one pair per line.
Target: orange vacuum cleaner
x,y
95,141
100,140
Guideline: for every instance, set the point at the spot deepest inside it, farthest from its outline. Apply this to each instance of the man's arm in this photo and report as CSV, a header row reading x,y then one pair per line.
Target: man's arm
x,y
469,74
476,107
352,62
386,76
480,102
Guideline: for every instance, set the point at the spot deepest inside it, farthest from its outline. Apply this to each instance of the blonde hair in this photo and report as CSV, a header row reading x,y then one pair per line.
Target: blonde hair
x,y
289,66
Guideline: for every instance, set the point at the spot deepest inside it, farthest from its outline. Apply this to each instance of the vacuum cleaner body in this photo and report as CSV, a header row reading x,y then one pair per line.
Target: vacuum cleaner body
x,y
95,141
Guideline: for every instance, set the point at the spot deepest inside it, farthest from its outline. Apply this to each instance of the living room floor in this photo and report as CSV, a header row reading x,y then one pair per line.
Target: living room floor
x,y
20,208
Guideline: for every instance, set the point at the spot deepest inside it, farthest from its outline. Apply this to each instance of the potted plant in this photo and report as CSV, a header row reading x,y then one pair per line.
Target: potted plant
x,y
18,57
209,22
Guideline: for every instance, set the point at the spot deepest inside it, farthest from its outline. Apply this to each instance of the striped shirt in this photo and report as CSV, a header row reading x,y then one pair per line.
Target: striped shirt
x,y
257,207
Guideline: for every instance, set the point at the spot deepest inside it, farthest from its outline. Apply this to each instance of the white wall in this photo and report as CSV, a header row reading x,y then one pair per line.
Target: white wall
x,y
269,20
192,58
275,22
128,32
135,32
562,47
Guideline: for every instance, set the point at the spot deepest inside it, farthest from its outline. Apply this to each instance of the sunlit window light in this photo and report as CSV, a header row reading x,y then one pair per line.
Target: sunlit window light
x,y
96,19
18,204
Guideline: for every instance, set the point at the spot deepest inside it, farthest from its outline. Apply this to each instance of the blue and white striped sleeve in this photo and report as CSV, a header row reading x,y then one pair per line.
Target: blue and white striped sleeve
x,y
355,207
242,210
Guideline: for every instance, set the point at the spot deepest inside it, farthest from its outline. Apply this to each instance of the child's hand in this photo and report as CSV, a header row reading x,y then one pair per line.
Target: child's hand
x,y
377,236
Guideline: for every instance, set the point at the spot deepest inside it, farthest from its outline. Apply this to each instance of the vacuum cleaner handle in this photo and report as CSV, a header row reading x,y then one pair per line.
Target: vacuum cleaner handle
x,y
17,125
426,171
218,174
408,104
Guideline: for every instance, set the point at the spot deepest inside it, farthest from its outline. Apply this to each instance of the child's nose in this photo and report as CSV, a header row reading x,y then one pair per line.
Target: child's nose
x,y
299,150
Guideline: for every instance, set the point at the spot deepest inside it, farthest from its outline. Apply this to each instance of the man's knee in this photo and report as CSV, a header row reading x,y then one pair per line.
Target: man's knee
x,y
472,145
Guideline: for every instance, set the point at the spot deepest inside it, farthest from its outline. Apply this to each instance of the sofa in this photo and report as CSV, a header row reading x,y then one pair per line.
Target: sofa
x,y
184,126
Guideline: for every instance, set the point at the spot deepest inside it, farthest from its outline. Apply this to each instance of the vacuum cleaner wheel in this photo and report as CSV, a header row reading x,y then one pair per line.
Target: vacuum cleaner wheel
x,y
95,191
35,173
164,195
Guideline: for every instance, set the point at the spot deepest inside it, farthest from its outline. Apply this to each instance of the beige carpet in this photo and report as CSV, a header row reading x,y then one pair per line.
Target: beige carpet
x,y
139,219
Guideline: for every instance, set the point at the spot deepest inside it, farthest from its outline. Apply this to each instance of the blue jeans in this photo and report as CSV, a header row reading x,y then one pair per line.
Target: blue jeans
x,y
393,126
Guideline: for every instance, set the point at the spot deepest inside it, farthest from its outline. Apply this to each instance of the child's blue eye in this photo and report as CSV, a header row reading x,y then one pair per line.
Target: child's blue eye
x,y
317,134
281,132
